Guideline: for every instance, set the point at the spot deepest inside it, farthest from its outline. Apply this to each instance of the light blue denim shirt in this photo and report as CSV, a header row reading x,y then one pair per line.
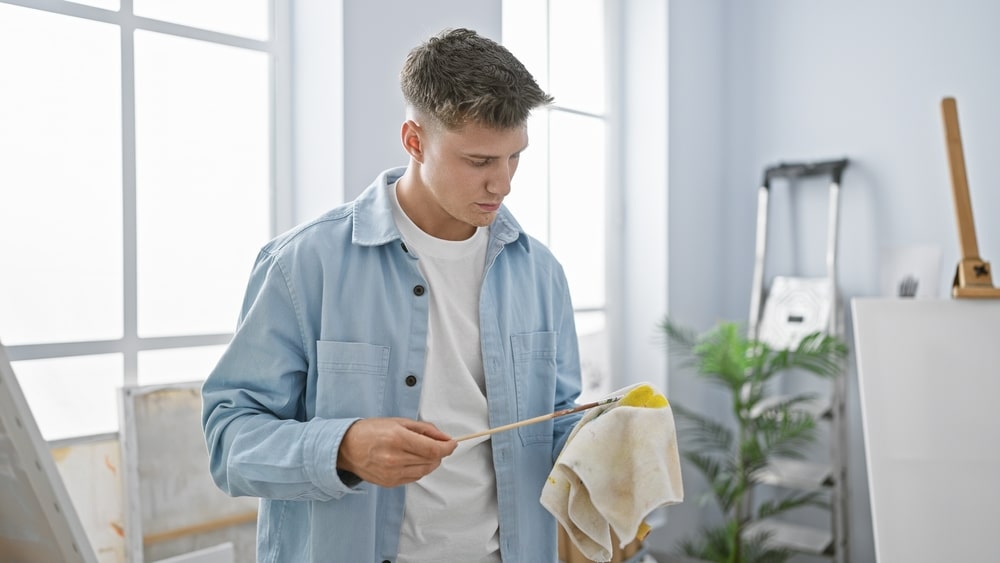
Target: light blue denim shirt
x,y
334,328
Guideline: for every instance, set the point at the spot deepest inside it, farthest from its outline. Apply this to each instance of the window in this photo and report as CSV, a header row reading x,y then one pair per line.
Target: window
x,y
138,180
560,192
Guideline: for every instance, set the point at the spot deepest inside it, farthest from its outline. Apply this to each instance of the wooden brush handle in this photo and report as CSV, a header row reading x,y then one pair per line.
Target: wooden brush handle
x,y
541,418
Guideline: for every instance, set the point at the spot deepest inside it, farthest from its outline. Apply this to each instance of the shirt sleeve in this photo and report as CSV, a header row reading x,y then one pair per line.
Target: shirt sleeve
x,y
568,378
253,403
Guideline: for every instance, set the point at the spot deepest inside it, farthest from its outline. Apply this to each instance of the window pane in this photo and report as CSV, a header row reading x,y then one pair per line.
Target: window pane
x,y
577,54
203,180
595,364
247,18
529,195
60,178
72,396
577,199
177,365
525,35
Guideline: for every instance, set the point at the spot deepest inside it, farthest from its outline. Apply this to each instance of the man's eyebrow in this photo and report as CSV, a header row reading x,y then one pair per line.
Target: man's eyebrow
x,y
488,156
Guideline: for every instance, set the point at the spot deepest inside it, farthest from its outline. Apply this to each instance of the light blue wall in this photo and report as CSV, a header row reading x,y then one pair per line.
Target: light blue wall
x,y
864,79
755,83
696,261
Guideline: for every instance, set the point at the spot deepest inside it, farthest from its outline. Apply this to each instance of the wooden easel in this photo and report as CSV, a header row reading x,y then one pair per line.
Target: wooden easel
x,y
972,278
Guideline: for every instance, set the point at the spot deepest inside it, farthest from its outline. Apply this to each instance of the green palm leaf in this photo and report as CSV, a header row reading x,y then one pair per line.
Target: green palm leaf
x,y
703,433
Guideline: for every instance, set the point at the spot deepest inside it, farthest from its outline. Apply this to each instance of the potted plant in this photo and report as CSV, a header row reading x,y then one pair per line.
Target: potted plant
x,y
759,428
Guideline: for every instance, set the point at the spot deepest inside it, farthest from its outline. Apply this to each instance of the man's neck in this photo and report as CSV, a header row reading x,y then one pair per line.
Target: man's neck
x,y
425,214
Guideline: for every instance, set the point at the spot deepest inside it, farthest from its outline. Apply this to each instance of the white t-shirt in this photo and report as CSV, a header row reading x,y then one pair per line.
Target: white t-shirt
x,y
451,514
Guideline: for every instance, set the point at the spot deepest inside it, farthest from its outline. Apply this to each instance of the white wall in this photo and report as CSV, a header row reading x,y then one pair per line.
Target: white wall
x,y
638,308
317,135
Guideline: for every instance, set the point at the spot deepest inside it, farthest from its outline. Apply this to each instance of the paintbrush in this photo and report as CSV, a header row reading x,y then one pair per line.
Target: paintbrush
x,y
549,416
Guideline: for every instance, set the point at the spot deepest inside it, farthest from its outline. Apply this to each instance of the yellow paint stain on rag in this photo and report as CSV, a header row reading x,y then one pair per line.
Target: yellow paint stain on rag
x,y
644,396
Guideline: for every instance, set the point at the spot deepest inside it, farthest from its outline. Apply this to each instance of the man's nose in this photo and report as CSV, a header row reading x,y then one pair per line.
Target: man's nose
x,y
499,182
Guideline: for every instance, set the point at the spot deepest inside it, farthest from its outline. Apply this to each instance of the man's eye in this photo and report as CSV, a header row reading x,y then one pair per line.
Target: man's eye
x,y
479,163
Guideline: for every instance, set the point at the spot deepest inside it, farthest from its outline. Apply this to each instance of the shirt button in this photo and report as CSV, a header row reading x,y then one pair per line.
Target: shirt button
x,y
418,290
411,380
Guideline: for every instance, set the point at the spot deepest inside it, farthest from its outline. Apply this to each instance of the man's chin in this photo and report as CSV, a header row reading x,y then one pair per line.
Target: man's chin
x,y
486,221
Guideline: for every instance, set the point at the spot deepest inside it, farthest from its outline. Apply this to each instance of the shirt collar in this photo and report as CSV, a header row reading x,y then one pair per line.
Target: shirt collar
x,y
374,224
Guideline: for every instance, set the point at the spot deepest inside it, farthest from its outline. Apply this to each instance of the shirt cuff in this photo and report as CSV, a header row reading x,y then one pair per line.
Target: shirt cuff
x,y
323,438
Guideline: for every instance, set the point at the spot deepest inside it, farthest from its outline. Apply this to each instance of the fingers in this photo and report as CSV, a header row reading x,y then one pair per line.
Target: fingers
x,y
393,451
439,444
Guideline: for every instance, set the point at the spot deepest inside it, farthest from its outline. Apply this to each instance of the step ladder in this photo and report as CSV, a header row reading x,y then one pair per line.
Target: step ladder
x,y
781,314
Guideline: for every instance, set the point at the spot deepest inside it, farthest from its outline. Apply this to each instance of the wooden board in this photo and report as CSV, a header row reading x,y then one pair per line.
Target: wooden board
x,y
929,377
38,523
172,506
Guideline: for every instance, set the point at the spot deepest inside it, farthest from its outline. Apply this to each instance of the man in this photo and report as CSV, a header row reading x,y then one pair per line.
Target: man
x,y
375,335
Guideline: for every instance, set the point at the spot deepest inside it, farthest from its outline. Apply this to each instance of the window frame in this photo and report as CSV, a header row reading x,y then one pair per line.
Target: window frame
x,y
278,49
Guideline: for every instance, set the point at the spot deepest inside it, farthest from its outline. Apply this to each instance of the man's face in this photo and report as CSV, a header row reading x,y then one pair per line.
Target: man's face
x,y
465,176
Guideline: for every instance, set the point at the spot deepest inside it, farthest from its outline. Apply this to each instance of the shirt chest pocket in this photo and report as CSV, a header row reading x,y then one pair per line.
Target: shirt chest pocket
x,y
535,383
351,379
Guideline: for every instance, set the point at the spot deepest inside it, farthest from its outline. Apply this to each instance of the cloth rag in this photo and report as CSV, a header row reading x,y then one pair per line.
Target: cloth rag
x,y
619,464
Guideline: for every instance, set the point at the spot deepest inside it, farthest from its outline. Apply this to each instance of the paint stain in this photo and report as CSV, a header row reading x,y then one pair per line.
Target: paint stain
x,y
111,467
118,529
643,396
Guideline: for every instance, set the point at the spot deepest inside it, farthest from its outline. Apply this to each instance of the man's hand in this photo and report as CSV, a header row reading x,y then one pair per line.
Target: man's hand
x,y
393,451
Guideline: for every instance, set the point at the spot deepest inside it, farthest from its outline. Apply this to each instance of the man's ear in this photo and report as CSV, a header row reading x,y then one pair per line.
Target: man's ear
x,y
412,136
